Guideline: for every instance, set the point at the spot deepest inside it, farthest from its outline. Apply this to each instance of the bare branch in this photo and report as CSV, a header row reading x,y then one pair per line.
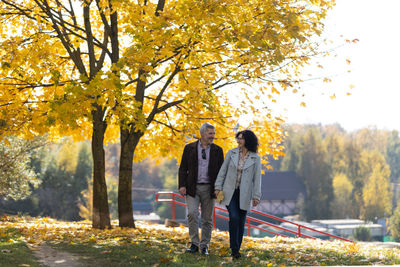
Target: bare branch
x,y
23,11
89,40
168,105
160,7
73,54
155,81
168,126
160,94
25,102
131,81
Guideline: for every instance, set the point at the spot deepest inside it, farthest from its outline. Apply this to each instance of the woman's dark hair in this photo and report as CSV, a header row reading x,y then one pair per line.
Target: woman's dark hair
x,y
250,140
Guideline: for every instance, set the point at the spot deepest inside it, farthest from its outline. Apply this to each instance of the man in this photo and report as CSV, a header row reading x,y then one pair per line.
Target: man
x,y
200,164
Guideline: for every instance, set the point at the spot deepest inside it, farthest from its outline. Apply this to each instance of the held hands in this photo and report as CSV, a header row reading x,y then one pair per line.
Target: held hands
x,y
255,202
219,195
182,190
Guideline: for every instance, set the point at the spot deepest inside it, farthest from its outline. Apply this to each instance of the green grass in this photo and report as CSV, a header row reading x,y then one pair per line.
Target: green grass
x,y
157,245
153,253
13,251
143,253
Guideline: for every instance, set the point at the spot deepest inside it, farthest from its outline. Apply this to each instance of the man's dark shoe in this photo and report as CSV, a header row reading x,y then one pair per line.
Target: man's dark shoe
x,y
236,255
204,251
193,249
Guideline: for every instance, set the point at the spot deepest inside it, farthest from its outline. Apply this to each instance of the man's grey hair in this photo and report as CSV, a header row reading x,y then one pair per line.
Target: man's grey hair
x,y
206,126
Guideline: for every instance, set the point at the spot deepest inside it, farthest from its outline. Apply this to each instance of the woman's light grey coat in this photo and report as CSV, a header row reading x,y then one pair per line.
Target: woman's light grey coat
x,y
250,184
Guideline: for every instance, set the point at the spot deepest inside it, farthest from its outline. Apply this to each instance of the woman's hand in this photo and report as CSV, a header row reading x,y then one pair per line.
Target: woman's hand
x,y
255,202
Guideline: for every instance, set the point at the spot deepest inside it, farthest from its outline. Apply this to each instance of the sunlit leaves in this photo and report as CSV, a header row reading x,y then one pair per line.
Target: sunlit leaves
x,y
377,193
16,177
183,56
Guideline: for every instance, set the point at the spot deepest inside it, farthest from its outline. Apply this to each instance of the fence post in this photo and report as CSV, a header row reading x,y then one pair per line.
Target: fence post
x,y
299,231
173,206
248,227
214,224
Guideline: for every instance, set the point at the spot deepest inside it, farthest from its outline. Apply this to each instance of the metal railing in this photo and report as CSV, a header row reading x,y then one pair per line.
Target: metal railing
x,y
249,219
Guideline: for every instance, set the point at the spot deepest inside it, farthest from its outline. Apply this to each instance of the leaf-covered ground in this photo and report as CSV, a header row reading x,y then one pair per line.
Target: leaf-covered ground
x,y
156,245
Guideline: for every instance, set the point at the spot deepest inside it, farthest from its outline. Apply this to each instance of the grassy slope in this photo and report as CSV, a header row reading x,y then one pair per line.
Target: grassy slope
x,y
150,245
13,250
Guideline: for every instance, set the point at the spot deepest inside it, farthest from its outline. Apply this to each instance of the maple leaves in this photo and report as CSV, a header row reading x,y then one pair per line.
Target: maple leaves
x,y
170,242
150,72
184,54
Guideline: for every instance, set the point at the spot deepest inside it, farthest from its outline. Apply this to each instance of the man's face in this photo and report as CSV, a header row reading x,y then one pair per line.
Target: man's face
x,y
208,136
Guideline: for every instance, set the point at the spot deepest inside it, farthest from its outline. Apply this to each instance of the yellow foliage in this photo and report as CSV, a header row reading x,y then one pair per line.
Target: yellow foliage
x,y
166,76
377,193
67,157
342,187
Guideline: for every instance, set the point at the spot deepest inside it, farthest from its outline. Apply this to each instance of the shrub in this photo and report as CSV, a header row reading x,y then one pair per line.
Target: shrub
x,y
362,234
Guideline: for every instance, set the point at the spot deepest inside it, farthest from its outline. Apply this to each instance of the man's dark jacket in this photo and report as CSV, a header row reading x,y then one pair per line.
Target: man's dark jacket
x,y
190,163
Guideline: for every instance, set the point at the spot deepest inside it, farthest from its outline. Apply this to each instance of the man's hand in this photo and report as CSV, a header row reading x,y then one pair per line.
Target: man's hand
x,y
255,202
182,190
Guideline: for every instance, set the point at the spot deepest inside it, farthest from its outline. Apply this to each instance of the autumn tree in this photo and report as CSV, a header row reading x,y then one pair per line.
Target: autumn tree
x,y
342,190
354,171
393,155
394,223
334,144
377,193
149,73
317,176
292,146
63,171
371,139
17,178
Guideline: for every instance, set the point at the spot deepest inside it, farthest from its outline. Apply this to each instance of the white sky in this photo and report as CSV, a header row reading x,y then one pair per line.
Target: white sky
x,y
375,100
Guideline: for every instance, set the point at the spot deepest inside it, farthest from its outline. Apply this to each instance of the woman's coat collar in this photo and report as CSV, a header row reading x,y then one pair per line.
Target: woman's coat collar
x,y
250,160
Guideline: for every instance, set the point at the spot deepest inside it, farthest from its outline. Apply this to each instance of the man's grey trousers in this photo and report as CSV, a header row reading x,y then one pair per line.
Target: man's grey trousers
x,y
203,197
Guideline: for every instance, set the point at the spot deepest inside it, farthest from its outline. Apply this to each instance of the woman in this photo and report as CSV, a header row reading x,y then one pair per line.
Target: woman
x,y
240,181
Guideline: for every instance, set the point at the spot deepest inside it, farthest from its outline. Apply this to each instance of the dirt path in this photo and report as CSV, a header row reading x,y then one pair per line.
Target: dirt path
x,y
55,258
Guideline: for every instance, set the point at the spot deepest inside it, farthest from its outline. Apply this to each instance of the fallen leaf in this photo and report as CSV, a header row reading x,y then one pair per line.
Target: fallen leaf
x,y
165,260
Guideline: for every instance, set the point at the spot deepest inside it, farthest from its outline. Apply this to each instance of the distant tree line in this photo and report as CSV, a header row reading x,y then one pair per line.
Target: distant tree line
x,y
347,175
55,179
62,171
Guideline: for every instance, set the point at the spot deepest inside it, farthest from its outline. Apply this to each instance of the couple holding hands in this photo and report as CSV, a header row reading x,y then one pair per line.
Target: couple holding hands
x,y
204,174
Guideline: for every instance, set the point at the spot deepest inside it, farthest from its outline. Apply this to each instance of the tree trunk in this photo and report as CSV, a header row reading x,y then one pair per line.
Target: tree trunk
x,y
101,214
129,142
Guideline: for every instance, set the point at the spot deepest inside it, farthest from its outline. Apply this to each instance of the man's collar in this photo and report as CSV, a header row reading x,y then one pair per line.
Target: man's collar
x,y
209,145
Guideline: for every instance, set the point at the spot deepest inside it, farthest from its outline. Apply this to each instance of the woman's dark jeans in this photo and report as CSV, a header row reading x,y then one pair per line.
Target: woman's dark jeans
x,y
237,219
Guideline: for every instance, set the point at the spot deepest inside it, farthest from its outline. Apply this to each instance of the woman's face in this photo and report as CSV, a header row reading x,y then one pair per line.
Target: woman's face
x,y
240,141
